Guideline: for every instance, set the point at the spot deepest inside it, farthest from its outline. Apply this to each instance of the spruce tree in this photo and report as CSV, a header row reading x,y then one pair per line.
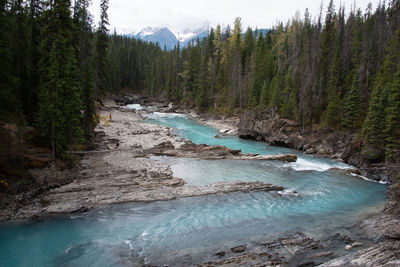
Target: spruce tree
x,y
191,74
84,56
288,107
375,123
254,98
8,82
332,114
60,104
102,73
327,44
392,129
264,97
274,93
236,63
351,106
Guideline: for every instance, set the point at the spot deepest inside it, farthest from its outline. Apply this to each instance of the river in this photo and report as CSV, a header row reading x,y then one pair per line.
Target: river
x,y
317,201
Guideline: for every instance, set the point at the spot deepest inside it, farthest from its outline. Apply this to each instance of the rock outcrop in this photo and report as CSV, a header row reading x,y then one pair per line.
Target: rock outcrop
x,y
202,151
268,126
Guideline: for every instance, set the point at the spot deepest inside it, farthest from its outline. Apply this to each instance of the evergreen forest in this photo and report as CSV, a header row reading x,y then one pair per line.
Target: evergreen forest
x,y
338,69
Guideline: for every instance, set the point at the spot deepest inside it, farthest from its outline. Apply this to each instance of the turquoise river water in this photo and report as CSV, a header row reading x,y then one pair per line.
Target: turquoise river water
x,y
192,229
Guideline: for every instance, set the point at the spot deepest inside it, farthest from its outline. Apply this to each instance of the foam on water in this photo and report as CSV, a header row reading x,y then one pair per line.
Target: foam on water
x,y
306,164
161,115
134,106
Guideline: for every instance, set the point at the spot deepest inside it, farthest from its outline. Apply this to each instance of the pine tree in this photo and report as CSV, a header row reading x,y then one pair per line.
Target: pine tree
x,y
264,97
392,129
288,107
12,64
84,56
274,90
325,58
375,123
236,67
20,55
332,114
8,82
30,98
191,74
351,106
60,105
102,73
254,98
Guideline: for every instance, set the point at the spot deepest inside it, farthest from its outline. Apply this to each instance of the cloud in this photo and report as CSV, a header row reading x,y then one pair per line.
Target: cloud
x,y
179,14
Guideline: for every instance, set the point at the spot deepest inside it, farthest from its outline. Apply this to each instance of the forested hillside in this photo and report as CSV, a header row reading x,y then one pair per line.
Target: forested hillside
x,y
56,66
339,69
334,70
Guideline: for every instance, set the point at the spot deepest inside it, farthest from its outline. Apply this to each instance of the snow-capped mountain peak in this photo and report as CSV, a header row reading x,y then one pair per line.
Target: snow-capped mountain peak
x,y
166,36
198,28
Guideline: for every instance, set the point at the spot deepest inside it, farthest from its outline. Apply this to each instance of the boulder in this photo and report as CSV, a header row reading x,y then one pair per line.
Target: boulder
x,y
310,151
348,247
238,249
220,254
266,125
393,232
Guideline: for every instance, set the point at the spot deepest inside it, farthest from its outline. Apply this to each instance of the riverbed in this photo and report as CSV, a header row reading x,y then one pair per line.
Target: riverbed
x,y
317,200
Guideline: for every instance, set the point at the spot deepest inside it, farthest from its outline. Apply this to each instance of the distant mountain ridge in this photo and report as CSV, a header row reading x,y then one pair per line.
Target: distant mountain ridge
x,y
168,38
163,36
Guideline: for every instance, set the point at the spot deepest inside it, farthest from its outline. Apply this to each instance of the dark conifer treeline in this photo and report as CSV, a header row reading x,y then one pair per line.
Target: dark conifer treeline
x,y
334,70
55,65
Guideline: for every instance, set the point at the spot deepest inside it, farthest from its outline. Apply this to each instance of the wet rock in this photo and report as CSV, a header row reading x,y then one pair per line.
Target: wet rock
x,y
393,232
286,158
220,254
283,157
288,192
323,254
346,171
310,151
306,264
174,182
356,244
238,249
324,149
125,100
164,145
392,206
347,239
382,254
348,247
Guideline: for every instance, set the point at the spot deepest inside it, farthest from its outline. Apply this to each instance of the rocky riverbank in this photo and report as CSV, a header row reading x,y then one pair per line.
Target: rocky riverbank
x,y
129,165
383,228
295,250
267,126
124,168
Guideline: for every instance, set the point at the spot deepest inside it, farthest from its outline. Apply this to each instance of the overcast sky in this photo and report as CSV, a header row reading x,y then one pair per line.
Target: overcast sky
x,y
130,15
